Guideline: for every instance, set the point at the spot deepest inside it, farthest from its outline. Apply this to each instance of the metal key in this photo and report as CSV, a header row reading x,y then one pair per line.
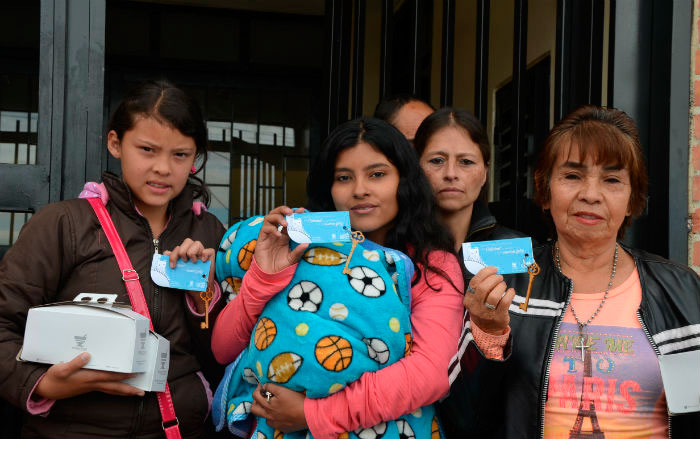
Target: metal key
x,y
356,237
267,394
532,269
206,296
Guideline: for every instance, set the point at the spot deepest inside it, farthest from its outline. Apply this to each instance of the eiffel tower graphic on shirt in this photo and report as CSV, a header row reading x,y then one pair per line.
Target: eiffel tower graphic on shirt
x,y
576,431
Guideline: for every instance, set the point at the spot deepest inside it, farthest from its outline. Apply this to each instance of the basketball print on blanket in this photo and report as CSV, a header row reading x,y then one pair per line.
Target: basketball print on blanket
x,y
265,333
334,353
235,253
245,255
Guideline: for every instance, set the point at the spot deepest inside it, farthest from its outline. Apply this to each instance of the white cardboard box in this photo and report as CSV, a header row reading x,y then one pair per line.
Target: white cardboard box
x,y
157,365
115,336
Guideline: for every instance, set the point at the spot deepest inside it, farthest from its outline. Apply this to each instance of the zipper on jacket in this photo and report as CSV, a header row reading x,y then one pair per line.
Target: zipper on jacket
x,y
646,332
156,294
476,231
656,350
154,308
550,355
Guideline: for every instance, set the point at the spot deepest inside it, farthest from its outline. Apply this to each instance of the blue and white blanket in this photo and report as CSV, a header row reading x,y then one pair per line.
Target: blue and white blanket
x,y
321,332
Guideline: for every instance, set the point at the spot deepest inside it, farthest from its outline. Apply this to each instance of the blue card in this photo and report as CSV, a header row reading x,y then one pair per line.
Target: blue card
x,y
186,275
322,227
510,256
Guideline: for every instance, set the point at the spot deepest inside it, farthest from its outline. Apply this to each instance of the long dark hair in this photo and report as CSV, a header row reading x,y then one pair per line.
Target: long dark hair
x,y
455,117
416,222
169,105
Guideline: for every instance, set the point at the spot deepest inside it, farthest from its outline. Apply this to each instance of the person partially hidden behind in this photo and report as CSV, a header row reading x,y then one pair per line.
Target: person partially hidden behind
x,y
405,112
454,153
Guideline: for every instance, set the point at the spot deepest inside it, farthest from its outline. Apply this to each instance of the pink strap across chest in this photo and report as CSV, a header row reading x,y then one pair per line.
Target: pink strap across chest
x,y
138,304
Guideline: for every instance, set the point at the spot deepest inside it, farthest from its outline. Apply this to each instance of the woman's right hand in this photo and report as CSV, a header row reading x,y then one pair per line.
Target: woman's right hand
x,y
489,287
272,253
65,380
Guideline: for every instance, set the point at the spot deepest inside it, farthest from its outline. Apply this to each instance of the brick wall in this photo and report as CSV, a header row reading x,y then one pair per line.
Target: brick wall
x,y
694,161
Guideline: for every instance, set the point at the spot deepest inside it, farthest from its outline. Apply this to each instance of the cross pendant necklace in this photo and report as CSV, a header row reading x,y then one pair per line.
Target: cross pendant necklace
x,y
583,346
581,325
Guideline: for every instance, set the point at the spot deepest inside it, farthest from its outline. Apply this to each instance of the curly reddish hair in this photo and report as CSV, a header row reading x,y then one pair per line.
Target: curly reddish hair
x,y
607,134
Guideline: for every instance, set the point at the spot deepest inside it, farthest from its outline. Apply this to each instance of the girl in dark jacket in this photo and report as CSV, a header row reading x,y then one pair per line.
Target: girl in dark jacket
x,y
157,133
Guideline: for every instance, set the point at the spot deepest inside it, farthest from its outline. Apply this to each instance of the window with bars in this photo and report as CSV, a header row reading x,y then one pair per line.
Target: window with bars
x,y
259,91
19,102
261,187
247,167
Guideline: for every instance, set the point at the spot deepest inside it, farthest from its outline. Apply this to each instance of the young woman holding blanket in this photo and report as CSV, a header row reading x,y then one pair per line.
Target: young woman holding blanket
x,y
368,169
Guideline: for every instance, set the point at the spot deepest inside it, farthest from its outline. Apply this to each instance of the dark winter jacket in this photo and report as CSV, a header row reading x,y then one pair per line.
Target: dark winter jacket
x,y
63,251
483,226
506,399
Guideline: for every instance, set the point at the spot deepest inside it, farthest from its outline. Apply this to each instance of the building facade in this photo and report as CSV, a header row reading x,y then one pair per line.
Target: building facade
x,y
273,77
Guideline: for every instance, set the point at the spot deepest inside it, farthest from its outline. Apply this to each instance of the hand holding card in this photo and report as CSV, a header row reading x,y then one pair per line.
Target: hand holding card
x,y
272,250
510,256
487,300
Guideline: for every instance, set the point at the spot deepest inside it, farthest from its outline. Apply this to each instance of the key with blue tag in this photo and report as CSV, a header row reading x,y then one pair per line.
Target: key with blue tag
x,y
510,256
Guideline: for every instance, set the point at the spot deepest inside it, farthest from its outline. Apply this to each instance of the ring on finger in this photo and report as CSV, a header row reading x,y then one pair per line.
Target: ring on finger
x,y
268,395
489,305
470,289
